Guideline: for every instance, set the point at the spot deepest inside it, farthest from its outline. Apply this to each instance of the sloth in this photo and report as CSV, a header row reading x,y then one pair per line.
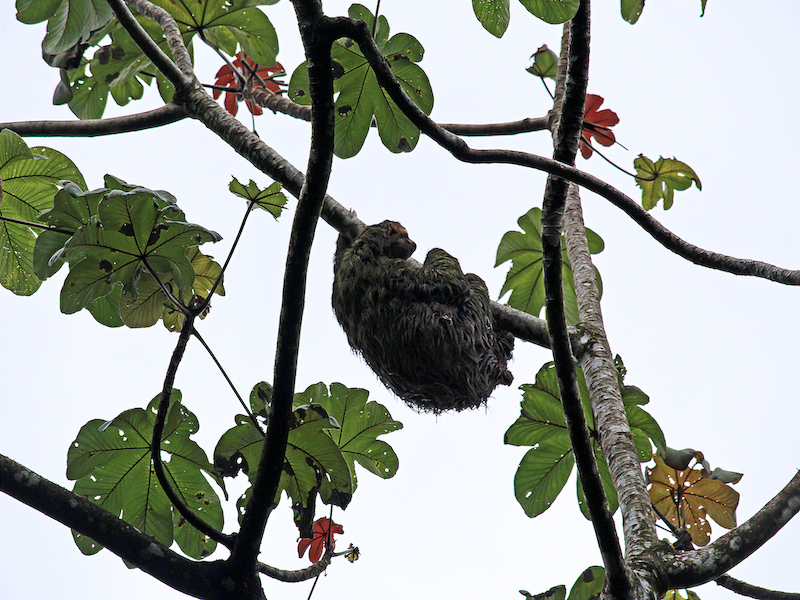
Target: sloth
x,y
426,331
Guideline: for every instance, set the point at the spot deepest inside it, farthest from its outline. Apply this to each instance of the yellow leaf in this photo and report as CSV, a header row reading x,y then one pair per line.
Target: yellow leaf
x,y
686,499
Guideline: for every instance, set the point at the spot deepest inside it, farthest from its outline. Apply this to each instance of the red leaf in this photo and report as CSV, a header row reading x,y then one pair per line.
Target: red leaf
x,y
597,124
226,78
319,540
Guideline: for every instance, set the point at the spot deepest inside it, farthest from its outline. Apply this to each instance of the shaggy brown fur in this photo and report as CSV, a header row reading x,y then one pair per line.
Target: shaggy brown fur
x,y
427,331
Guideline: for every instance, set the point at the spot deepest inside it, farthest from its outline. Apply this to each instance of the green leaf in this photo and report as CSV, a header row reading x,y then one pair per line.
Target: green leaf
x,y
557,592
589,585
631,10
105,309
361,98
31,12
117,68
151,304
645,429
493,15
361,423
131,232
314,464
541,424
111,465
254,32
89,95
552,11
525,279
542,474
221,22
73,22
29,178
270,199
661,179
545,63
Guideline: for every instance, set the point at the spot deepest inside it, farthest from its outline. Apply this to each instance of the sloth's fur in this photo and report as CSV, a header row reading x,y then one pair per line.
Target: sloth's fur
x,y
427,331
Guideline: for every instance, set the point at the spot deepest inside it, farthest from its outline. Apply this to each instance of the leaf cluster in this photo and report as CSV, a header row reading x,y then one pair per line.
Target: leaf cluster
x,y
331,431
545,468
525,278
360,98
120,67
130,251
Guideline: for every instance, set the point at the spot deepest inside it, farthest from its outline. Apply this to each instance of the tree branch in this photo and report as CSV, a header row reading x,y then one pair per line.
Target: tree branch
x,y
601,380
198,579
511,128
693,568
158,429
358,31
568,128
182,68
91,128
299,575
317,40
753,591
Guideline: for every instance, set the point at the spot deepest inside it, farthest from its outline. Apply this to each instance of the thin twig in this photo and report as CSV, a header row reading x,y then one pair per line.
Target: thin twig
x,y
35,225
158,430
228,379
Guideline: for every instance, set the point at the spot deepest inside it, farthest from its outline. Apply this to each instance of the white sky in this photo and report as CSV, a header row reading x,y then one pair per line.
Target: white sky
x,y
714,352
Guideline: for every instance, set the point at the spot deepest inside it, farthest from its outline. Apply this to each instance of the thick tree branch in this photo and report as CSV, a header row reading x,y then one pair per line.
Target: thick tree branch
x,y
601,379
566,135
198,579
182,67
358,31
317,40
693,568
91,128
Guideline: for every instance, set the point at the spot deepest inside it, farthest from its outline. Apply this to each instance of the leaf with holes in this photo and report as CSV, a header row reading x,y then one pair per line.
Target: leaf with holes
x,y
314,463
361,423
133,232
151,304
661,179
111,465
687,497
360,98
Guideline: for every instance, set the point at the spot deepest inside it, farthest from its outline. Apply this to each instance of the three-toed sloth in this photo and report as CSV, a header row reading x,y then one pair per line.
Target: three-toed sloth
x,y
427,331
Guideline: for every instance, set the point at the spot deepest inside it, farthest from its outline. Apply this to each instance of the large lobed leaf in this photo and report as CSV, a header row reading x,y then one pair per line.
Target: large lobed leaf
x,y
525,278
545,468
360,98
111,465
360,424
329,433
29,179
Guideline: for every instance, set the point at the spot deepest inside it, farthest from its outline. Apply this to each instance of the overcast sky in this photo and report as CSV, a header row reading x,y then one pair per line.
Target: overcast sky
x,y
715,353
